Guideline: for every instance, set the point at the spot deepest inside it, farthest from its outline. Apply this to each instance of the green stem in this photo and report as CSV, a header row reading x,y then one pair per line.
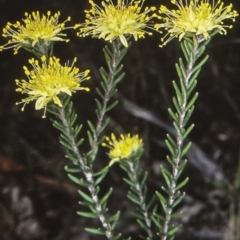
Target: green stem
x,y
139,190
179,142
110,81
88,173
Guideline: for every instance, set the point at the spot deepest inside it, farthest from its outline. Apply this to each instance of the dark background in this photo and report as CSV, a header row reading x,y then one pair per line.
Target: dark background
x,y
37,201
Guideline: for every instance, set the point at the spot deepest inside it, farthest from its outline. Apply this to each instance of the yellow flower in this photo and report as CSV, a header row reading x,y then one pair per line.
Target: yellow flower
x,y
124,148
34,28
197,17
48,80
122,20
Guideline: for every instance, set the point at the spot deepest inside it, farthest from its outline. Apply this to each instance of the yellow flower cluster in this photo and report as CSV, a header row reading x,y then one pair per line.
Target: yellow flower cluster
x,y
124,148
197,17
34,28
49,79
121,20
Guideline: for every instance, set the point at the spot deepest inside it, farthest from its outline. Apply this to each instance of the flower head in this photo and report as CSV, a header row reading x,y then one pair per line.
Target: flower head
x,y
49,79
121,20
34,28
197,17
124,148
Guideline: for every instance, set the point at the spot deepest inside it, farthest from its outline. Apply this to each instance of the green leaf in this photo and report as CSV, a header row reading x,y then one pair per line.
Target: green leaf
x,y
99,93
157,222
64,138
182,67
201,50
189,129
183,183
122,54
107,58
78,181
178,200
180,74
129,182
112,92
59,126
173,115
188,47
171,140
186,148
72,170
79,142
192,101
150,203
114,218
167,176
188,39
104,124
183,91
178,93
181,167
95,231
111,106
177,127
101,177
131,177
133,198
73,119
170,147
176,214
158,216
118,79
104,75
67,101
165,190
98,103
163,201
87,214
108,50
118,236
91,155
66,145
77,130
199,65
144,179
192,85
92,128
188,115
100,172
138,214
118,70
134,191
173,230
177,106
185,51
170,160
72,157
90,137
141,224
85,196
106,196
85,203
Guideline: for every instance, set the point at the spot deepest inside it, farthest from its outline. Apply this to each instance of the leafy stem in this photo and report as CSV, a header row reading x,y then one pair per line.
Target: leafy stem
x,y
110,78
138,192
108,89
184,105
65,122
